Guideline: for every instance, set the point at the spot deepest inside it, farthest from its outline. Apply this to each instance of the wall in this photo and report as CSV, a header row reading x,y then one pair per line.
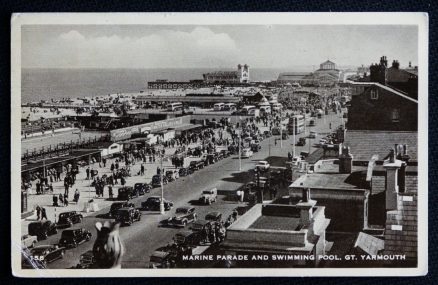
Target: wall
x,y
368,114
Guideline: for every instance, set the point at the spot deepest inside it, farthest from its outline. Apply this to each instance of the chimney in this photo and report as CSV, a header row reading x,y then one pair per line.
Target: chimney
x,y
306,207
395,64
392,182
239,68
345,160
410,65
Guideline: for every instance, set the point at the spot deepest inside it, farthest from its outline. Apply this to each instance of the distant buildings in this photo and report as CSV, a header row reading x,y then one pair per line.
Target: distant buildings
x,y
385,100
326,75
239,76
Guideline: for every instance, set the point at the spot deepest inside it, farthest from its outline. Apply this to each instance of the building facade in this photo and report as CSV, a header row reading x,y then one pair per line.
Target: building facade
x,y
221,77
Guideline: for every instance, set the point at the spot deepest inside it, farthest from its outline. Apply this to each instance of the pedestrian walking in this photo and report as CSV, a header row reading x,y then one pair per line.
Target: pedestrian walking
x,y
88,173
55,200
61,199
43,214
66,199
110,191
142,169
76,196
38,211
104,162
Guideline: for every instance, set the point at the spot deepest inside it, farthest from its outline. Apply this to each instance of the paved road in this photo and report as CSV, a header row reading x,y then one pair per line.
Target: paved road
x,y
143,237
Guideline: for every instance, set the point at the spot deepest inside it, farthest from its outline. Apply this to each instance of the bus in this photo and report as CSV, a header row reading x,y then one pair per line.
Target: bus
x,y
219,106
230,107
248,110
172,107
265,109
296,122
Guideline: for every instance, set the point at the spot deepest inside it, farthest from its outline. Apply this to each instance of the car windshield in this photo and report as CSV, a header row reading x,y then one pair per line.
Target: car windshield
x,y
63,215
182,211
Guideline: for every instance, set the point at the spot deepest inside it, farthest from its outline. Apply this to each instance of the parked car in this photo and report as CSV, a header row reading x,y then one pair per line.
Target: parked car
x,y
86,260
247,153
28,241
74,237
153,204
187,238
185,171
39,256
263,165
196,165
214,216
42,229
301,142
127,215
208,196
255,147
156,180
142,188
162,259
67,219
126,193
183,216
117,205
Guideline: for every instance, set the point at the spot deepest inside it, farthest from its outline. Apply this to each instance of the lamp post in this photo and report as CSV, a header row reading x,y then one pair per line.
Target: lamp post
x,y
295,122
162,210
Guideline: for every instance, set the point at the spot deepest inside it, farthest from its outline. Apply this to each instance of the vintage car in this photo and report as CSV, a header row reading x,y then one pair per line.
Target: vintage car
x,y
127,216
187,238
39,256
185,171
183,216
214,216
196,165
170,175
67,219
255,147
162,259
117,205
263,165
28,241
74,237
301,142
156,180
153,204
142,188
86,260
126,193
42,229
225,153
208,196
246,153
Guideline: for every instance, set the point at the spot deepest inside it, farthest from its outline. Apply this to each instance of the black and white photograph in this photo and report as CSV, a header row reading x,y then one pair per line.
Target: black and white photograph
x,y
219,144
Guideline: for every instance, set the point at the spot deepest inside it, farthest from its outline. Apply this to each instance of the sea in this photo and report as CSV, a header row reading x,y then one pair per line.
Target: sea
x,y
46,84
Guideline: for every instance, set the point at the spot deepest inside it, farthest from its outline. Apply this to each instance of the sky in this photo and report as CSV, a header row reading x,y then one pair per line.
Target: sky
x,y
177,46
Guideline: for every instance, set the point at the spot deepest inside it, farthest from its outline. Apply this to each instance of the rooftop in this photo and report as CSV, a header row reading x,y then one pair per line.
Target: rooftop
x,y
369,244
349,181
365,143
276,223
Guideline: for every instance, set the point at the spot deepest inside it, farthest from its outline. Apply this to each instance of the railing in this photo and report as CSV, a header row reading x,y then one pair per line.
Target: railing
x,y
61,149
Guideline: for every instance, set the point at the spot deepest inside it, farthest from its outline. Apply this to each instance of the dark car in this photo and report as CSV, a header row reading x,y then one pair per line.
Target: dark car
x,y
185,171
74,237
67,219
196,165
127,215
213,216
301,142
117,205
42,229
170,175
183,216
187,238
162,259
225,153
153,204
255,147
39,256
142,188
127,193
86,260
156,180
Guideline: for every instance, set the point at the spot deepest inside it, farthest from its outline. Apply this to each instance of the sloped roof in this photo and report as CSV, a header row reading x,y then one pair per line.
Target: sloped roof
x,y
328,62
365,143
221,73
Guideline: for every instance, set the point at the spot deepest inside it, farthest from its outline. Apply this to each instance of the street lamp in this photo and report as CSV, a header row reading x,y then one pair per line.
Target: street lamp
x,y
162,210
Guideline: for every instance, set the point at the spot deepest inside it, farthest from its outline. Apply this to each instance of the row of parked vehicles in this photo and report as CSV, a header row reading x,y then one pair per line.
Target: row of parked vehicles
x,y
38,256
